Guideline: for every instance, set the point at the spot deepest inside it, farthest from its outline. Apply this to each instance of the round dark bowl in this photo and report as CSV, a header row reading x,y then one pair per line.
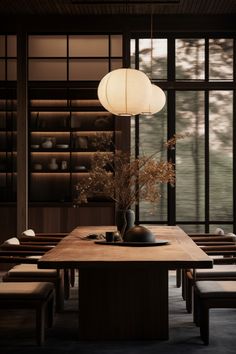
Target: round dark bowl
x,y
139,234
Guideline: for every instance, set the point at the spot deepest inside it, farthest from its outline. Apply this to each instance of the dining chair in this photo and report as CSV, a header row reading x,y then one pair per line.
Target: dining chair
x,y
224,268
29,236
26,258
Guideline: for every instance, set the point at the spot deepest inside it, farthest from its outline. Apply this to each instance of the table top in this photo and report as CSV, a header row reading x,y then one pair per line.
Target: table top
x,y
74,251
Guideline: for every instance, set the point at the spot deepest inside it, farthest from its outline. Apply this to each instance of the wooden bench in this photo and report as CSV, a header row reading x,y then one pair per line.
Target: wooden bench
x,y
25,295
31,273
212,294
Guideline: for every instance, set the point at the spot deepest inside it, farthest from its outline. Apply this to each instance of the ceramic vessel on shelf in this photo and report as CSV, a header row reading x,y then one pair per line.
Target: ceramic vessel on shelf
x,y
47,143
53,164
38,167
64,165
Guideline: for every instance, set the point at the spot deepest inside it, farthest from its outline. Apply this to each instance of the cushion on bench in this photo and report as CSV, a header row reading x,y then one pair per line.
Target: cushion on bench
x,y
25,290
227,270
216,289
31,270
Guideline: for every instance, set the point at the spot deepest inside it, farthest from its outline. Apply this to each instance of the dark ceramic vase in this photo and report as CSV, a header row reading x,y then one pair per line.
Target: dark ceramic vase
x,y
139,234
124,220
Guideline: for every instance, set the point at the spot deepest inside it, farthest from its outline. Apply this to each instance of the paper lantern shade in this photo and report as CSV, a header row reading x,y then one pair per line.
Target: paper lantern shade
x,y
156,102
124,92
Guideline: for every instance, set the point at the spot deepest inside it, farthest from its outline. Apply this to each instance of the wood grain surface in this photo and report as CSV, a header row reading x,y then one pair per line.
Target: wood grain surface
x,y
76,251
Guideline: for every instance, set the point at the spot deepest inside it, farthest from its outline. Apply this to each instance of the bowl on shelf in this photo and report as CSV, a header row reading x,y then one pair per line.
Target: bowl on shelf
x,y
38,167
80,168
34,146
62,146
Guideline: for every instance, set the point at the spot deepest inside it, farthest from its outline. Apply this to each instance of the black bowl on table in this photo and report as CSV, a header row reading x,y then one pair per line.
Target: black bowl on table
x,y
139,234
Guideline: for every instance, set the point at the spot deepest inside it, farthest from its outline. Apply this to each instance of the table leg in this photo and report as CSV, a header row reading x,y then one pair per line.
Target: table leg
x,y
123,303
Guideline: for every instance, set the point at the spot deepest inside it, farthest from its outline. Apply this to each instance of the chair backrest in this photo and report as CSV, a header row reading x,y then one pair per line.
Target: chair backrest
x,y
219,231
29,232
12,241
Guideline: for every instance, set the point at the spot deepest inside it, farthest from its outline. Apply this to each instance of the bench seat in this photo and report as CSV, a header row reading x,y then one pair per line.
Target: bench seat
x,y
212,294
31,273
26,295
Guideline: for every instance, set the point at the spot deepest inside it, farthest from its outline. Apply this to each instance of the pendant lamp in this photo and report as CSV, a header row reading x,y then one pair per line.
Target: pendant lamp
x,y
125,92
156,102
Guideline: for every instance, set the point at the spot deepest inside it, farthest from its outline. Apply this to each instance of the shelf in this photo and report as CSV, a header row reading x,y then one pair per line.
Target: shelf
x,y
8,135
83,125
52,130
7,151
50,150
10,171
55,151
50,171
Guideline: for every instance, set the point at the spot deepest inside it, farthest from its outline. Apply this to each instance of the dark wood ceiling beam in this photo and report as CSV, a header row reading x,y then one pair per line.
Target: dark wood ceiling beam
x,y
123,2
109,7
92,24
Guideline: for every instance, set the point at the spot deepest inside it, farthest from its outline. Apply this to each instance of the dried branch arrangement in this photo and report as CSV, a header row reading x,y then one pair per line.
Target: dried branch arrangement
x,y
126,179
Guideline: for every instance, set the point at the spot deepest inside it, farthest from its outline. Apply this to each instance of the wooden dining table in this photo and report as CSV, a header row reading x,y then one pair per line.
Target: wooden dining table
x,y
123,290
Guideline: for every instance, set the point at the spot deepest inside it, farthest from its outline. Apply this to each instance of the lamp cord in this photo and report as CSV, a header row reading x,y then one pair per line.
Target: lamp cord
x,y
151,42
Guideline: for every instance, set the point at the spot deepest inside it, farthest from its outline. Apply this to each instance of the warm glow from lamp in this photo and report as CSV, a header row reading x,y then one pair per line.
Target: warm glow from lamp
x,y
156,102
125,92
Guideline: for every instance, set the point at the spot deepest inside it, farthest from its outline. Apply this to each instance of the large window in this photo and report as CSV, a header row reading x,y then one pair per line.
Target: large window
x,y
199,85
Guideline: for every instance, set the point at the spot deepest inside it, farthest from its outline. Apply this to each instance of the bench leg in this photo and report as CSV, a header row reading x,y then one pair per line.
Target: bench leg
x,y
189,295
196,309
50,311
183,284
60,294
178,278
40,323
72,277
66,284
204,321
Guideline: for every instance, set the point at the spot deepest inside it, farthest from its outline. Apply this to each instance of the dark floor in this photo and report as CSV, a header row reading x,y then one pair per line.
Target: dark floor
x,y
17,333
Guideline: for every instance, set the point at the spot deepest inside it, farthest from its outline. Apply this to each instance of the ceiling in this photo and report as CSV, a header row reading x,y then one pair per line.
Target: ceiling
x,y
117,7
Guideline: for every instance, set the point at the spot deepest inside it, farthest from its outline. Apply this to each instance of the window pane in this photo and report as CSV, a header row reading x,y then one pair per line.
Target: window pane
x,y
226,228
116,46
221,150
190,156
221,59
190,59
153,57
192,228
47,46
153,132
2,46
51,69
88,69
132,53
88,46
11,69
11,46
116,64
2,70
